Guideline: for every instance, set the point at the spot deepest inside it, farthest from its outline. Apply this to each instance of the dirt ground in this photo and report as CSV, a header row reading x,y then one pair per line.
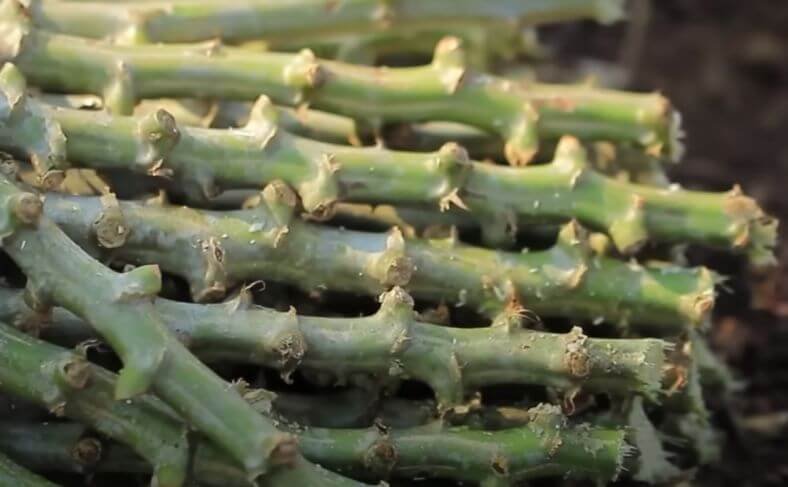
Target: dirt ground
x,y
724,64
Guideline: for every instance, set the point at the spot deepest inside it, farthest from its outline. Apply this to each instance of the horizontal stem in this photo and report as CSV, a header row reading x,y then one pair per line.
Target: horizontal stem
x,y
618,161
200,20
413,221
120,308
13,474
68,385
204,161
393,344
444,90
54,446
546,446
214,251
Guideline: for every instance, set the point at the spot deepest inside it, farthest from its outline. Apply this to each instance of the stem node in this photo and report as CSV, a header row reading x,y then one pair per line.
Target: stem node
x,y
450,62
157,134
110,227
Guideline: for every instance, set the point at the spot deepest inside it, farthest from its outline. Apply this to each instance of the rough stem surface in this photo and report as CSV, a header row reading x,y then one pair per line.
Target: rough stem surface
x,y
205,161
189,21
216,250
66,384
545,446
12,474
120,308
444,90
393,344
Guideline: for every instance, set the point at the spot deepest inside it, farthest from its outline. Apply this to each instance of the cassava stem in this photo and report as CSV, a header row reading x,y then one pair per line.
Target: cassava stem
x,y
393,344
66,384
443,90
120,308
614,160
287,21
14,475
215,250
545,446
499,197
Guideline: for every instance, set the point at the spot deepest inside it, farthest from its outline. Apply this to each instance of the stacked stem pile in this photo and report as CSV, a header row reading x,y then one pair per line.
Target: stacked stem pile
x,y
267,294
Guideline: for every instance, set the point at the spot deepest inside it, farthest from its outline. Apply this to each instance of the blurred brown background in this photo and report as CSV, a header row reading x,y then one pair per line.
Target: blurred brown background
x,y
724,64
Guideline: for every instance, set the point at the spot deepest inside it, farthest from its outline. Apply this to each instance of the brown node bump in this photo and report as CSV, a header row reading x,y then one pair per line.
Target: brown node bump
x,y
110,227
209,293
500,465
285,452
27,207
704,305
58,409
87,451
323,211
76,373
8,166
578,363
281,193
315,75
576,356
167,126
51,179
737,205
555,444
213,286
32,322
290,349
381,456
399,271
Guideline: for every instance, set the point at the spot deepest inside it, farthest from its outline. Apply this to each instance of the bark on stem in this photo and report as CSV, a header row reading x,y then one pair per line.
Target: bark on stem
x,y
120,308
215,250
205,161
68,385
393,344
443,90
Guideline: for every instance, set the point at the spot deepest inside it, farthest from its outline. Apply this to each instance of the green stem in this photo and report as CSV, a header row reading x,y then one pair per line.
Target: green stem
x,y
53,446
120,308
68,385
443,90
214,251
546,446
188,21
618,161
499,197
488,39
413,221
12,474
393,344
651,465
